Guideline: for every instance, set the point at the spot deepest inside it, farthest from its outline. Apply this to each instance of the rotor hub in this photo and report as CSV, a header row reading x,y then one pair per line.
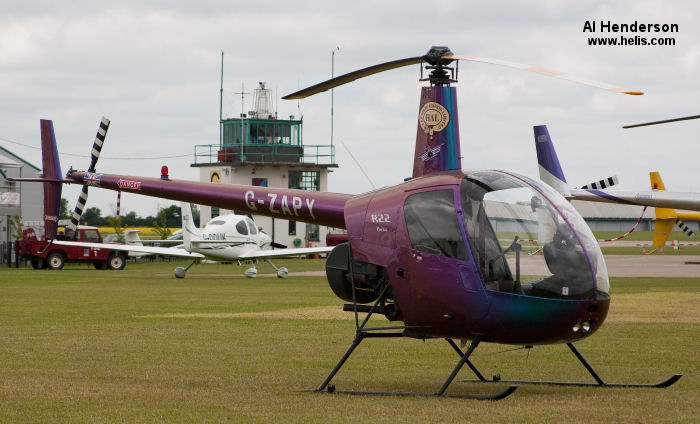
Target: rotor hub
x,y
440,73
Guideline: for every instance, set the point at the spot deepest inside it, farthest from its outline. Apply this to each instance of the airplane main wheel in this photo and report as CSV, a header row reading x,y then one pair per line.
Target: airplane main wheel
x,y
55,260
251,273
179,272
116,262
282,273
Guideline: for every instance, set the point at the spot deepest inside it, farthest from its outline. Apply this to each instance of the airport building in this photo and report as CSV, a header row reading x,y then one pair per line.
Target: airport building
x,y
16,199
260,149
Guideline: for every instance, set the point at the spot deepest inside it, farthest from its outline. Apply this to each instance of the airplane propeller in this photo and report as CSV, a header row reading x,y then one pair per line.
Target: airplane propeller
x,y
94,156
437,59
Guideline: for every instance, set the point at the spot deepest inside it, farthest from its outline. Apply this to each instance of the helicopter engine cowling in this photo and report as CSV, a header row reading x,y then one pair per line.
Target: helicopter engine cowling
x,y
365,276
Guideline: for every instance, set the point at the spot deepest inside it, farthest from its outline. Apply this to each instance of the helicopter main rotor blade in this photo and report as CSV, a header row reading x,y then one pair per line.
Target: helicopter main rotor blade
x,y
547,72
665,121
352,76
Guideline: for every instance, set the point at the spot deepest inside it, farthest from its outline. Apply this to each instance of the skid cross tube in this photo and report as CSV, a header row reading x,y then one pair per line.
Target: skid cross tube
x,y
465,358
468,362
599,381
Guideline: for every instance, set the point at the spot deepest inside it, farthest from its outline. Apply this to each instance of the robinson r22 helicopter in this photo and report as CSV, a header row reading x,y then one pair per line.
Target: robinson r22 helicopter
x,y
427,253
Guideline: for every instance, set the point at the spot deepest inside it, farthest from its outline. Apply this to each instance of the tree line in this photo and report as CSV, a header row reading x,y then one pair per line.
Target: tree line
x,y
170,217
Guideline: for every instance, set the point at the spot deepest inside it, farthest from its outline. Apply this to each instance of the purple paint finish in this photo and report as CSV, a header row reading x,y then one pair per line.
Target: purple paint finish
x,y
446,297
300,205
52,170
437,136
612,198
546,155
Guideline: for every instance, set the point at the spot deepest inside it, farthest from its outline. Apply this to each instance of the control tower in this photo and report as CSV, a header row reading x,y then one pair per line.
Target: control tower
x,y
259,149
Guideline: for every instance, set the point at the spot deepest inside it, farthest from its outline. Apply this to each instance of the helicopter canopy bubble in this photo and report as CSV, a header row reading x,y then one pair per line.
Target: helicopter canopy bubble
x,y
527,239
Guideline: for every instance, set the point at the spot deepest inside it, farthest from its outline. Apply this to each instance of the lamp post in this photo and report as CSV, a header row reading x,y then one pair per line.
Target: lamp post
x,y
332,75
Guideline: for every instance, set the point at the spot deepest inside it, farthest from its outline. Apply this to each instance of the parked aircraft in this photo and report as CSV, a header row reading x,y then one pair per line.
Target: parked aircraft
x,y
226,238
666,218
552,174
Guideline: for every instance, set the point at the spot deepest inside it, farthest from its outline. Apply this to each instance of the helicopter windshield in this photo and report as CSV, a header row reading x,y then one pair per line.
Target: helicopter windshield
x,y
527,239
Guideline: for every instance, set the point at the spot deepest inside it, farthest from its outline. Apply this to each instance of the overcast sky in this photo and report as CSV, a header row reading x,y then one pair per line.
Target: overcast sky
x,y
153,68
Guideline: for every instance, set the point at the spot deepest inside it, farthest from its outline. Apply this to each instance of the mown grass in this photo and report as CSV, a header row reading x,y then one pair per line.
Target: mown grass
x,y
138,345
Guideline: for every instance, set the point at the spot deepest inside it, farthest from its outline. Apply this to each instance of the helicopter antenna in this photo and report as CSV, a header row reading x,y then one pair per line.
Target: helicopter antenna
x,y
358,165
242,93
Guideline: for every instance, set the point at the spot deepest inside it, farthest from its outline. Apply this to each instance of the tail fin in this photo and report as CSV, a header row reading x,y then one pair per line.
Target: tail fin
x,y
662,230
656,182
132,237
189,230
437,137
51,170
550,169
665,217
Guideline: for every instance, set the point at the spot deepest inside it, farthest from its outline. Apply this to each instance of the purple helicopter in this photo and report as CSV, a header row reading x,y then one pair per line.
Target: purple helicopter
x,y
479,256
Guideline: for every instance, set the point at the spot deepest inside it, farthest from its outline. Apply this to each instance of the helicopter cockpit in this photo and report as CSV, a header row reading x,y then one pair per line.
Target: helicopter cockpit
x,y
514,223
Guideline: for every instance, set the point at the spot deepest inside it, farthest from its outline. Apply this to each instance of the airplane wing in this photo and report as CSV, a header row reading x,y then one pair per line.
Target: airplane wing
x,y
261,254
653,198
161,242
165,251
225,242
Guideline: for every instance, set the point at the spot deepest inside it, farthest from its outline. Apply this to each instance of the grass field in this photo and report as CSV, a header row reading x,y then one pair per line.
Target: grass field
x,y
80,345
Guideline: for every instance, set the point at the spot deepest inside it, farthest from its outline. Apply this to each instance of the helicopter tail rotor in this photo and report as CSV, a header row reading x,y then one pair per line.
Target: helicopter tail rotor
x,y
94,156
602,184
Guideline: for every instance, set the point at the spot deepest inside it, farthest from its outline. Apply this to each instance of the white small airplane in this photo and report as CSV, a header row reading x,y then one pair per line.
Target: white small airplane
x,y
225,238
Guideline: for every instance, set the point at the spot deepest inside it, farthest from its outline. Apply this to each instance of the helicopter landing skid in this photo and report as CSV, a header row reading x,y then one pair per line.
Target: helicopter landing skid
x,y
362,332
325,387
598,381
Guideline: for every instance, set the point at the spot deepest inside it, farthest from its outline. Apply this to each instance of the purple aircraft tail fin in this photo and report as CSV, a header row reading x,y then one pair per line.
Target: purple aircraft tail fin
x,y
550,169
52,173
437,139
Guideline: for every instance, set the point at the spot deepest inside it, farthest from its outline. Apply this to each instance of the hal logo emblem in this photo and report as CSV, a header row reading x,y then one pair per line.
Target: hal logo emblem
x,y
433,117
